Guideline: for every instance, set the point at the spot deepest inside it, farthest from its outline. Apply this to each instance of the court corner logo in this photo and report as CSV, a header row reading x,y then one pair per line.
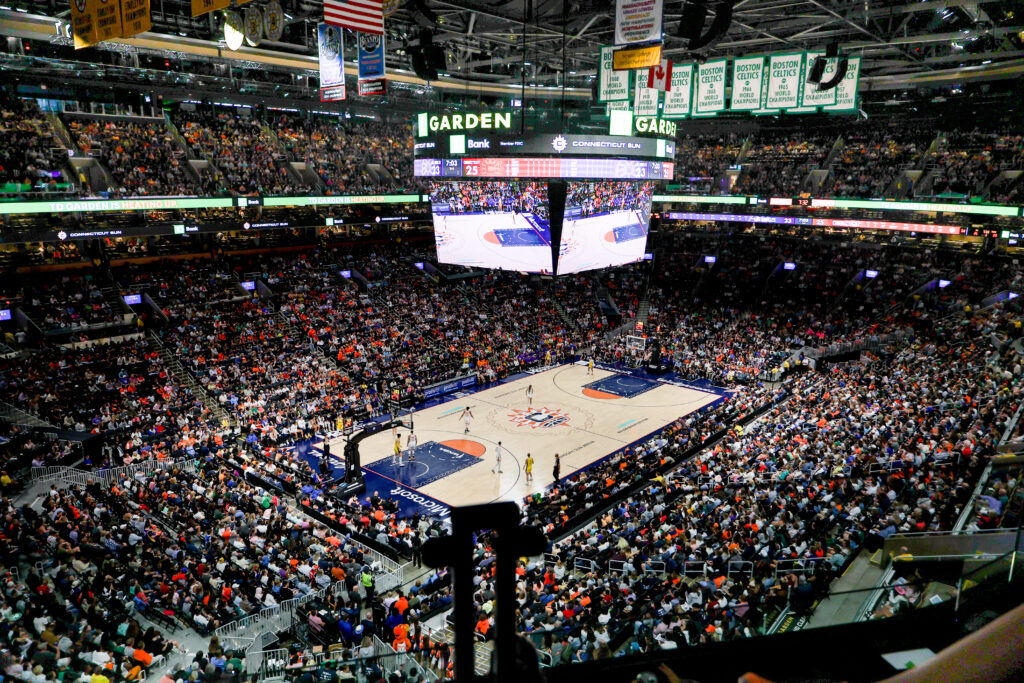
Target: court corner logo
x,y
559,143
539,417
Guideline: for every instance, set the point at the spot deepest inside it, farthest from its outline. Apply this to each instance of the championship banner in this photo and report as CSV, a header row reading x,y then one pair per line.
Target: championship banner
x,y
810,96
371,64
678,100
630,58
332,64
135,17
83,22
108,20
637,21
747,77
710,97
620,105
612,85
645,100
847,99
201,7
784,77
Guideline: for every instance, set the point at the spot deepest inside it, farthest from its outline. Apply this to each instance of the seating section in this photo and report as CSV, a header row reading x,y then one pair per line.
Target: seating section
x,y
781,162
31,153
874,156
704,531
251,152
65,302
340,152
141,154
244,153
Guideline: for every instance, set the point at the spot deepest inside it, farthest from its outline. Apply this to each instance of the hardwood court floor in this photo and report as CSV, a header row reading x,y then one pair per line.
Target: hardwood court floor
x,y
580,423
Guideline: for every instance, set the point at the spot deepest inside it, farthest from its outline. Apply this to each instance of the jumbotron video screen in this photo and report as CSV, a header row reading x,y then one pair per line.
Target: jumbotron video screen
x,y
503,225
606,224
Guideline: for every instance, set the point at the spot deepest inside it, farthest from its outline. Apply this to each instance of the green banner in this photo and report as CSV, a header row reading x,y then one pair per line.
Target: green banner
x,y
171,203
93,205
329,201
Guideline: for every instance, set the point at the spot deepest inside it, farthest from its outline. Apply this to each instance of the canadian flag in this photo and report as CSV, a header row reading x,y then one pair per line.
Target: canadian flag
x,y
660,77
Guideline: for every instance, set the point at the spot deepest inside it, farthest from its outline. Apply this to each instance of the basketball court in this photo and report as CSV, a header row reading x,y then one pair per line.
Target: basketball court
x,y
582,417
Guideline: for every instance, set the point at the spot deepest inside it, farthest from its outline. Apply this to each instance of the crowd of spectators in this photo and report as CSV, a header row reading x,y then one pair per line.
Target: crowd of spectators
x,y
608,196
723,536
31,153
243,152
779,162
339,152
66,301
873,156
142,156
355,155
494,197
968,161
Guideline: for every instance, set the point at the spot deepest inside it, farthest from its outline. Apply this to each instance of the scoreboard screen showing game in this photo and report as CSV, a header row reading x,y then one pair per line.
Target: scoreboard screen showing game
x,y
504,225
606,224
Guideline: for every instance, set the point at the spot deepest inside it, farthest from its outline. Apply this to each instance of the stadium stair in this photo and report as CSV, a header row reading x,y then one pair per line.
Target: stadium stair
x,y
189,380
283,155
193,162
16,416
566,318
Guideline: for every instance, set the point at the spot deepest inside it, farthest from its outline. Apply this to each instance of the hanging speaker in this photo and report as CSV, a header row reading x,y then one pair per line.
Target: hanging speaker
x,y
691,24
844,64
817,70
719,27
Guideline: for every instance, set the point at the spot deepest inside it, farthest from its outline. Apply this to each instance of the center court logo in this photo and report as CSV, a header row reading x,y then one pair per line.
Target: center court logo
x,y
539,417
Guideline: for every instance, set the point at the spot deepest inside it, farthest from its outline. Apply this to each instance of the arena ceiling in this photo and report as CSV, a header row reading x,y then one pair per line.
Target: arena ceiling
x,y
493,48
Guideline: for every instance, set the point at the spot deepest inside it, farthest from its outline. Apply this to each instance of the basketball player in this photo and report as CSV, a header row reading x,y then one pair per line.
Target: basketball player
x,y
547,357
529,468
398,451
529,396
497,457
590,366
557,469
410,446
467,416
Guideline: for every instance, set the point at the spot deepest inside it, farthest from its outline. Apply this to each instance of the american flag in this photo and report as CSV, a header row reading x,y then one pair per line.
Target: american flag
x,y
359,15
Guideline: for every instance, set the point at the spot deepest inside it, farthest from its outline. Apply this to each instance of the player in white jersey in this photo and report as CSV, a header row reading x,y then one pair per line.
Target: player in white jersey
x,y
529,396
410,447
467,417
497,456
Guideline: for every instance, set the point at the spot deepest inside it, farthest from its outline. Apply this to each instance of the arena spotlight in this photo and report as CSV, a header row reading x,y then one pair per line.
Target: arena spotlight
x,y
710,259
871,274
789,265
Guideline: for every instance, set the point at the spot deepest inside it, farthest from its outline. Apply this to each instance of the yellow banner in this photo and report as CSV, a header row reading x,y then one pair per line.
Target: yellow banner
x,y
135,17
108,20
83,22
636,57
200,7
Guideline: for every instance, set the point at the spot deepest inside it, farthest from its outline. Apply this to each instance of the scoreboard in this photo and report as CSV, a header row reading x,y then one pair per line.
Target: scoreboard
x,y
544,167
